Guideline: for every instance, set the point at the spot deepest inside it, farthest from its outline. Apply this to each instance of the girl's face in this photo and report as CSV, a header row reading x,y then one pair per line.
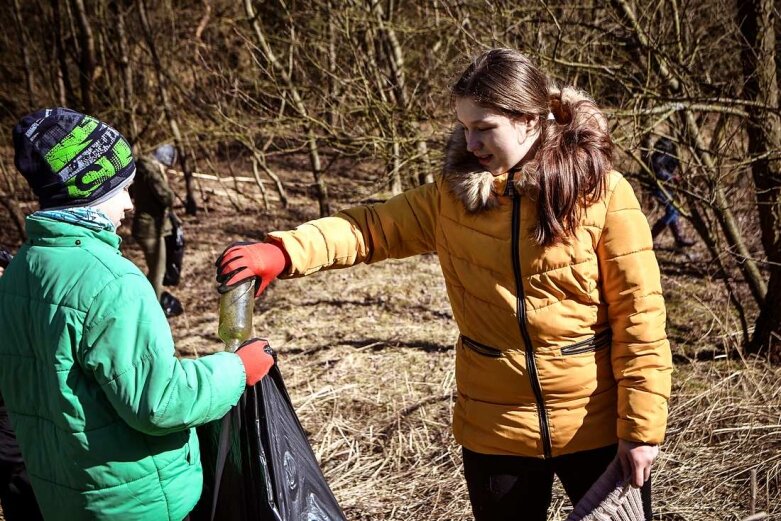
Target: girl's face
x,y
498,142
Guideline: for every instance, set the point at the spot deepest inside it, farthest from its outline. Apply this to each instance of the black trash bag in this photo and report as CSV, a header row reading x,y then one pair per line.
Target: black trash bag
x,y
174,252
258,464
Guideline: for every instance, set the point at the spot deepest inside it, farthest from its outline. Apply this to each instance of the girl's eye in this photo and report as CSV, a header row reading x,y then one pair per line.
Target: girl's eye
x,y
477,129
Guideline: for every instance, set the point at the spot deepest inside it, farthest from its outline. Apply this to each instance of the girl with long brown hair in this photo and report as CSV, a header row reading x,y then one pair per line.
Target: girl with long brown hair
x,y
562,362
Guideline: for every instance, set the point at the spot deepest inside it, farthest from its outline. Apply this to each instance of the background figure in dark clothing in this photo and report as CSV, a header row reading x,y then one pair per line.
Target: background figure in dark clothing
x,y
153,199
664,163
16,493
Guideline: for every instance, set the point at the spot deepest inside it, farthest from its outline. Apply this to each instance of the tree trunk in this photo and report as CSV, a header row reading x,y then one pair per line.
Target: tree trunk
x,y
127,96
63,78
25,49
705,233
17,215
259,181
190,206
298,102
87,65
333,82
756,21
406,126
425,172
728,222
725,216
259,158
394,166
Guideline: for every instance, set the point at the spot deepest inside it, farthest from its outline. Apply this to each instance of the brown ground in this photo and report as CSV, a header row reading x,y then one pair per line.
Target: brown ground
x,y
366,354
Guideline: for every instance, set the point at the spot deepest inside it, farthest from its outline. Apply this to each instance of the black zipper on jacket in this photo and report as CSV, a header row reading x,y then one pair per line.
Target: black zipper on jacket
x,y
531,365
590,344
482,349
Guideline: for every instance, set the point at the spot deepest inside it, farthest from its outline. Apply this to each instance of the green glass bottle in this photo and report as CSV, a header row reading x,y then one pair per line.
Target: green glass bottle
x,y
236,308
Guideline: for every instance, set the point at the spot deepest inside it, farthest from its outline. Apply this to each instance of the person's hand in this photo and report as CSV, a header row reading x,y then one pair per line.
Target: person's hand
x,y
244,260
636,460
257,362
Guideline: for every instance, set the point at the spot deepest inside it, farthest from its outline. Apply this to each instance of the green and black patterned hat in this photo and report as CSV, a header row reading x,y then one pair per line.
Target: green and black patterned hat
x,y
70,159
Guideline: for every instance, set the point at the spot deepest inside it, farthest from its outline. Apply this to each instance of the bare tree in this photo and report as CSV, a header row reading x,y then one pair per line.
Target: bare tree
x,y
366,81
65,88
190,206
757,25
126,98
25,50
298,104
87,64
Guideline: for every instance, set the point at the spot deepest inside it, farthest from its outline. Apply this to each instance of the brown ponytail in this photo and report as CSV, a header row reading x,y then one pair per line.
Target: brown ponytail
x,y
568,171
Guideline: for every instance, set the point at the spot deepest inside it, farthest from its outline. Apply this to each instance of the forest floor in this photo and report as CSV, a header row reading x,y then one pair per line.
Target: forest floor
x,y
367,357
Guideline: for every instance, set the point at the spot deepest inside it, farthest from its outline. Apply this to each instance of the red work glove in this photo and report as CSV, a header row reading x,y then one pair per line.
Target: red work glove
x,y
244,260
256,360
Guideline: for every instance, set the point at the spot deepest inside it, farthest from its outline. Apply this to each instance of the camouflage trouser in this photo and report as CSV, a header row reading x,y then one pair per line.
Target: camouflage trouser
x,y
154,255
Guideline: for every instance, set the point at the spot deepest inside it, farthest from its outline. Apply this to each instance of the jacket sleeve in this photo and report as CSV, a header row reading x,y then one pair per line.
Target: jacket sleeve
x,y
641,358
400,227
128,349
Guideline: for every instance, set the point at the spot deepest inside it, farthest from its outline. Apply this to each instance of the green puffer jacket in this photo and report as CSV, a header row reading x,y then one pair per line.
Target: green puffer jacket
x,y
102,408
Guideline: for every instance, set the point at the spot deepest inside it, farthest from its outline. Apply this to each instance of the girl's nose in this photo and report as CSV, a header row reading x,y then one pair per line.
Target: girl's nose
x,y
472,143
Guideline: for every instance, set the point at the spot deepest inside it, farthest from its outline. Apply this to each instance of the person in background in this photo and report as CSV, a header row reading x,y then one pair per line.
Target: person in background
x,y
16,492
153,200
665,164
103,410
5,259
562,362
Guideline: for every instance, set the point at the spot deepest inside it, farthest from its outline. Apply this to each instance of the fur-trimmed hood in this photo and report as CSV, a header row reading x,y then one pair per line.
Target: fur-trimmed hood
x,y
477,188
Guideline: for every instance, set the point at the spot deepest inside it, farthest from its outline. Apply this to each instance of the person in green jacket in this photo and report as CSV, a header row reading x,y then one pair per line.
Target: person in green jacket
x,y
102,408
153,199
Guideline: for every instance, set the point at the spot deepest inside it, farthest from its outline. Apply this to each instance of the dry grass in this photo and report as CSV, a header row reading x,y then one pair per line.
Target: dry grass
x,y
367,358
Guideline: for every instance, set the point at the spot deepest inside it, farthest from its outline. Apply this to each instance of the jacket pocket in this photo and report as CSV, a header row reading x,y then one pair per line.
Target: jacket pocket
x,y
479,348
596,342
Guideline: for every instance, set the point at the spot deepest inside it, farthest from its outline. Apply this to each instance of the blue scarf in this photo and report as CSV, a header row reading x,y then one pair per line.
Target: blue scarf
x,y
91,218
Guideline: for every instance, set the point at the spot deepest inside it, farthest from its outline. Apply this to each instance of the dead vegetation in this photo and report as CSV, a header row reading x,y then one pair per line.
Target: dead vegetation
x,y
366,352
367,357
246,84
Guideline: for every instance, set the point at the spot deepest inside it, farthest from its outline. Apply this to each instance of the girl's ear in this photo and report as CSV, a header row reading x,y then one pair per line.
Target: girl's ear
x,y
532,123
527,126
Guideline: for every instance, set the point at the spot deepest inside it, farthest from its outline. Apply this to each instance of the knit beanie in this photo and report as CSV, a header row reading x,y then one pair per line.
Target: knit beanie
x,y
166,154
70,159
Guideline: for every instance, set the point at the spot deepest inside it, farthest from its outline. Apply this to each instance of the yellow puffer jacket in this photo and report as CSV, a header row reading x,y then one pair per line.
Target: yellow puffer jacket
x,y
562,349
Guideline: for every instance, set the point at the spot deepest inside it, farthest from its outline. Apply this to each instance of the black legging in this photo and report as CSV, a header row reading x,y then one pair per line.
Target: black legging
x,y
16,494
519,488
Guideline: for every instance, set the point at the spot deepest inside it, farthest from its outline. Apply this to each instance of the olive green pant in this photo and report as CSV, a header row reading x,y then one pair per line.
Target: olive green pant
x,y
154,255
